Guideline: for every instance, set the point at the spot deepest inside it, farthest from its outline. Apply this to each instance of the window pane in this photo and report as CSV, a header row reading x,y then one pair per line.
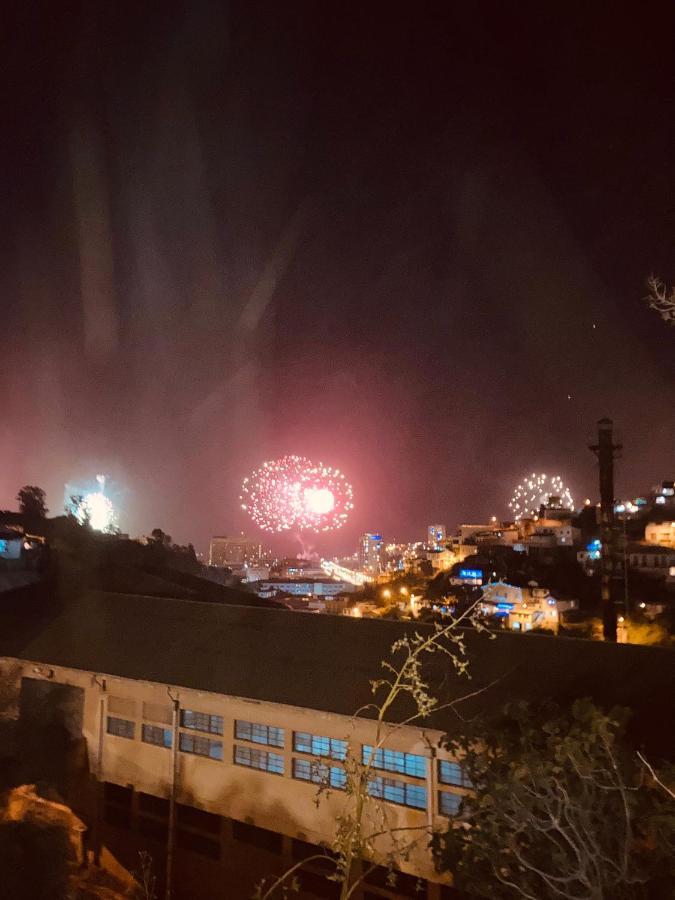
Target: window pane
x,y
452,773
302,768
395,761
154,734
259,759
338,778
259,734
242,730
120,727
275,763
318,773
196,720
416,766
398,792
318,745
415,796
394,791
201,746
448,804
216,725
276,737
199,721
302,742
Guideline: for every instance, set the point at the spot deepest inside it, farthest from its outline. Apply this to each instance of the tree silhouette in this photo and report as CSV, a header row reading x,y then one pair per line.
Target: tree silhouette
x,y
32,501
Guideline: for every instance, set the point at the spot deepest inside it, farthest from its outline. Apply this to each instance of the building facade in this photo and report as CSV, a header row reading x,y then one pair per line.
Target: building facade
x,y
314,587
661,533
241,773
370,553
237,552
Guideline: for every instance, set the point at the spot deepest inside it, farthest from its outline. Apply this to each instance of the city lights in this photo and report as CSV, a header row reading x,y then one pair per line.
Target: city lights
x,y
534,491
294,492
340,573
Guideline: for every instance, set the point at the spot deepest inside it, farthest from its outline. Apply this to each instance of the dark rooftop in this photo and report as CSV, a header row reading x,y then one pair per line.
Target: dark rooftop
x,y
326,662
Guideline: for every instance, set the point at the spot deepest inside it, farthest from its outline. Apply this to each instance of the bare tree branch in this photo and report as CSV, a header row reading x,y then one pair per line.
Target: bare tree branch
x,y
661,299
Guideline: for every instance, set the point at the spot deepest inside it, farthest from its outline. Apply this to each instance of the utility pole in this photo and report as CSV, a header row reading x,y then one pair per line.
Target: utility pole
x,y
606,451
171,836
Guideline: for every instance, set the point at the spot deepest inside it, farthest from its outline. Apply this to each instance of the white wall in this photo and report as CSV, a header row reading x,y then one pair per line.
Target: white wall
x,y
276,802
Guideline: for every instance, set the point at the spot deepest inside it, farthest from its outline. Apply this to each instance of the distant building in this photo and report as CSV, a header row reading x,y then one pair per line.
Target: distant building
x,y
254,573
370,553
436,537
10,544
442,559
554,509
298,568
314,587
662,533
653,560
524,608
225,551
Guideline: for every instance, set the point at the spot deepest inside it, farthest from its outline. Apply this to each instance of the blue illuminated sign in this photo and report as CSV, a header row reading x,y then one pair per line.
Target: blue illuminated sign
x,y
471,573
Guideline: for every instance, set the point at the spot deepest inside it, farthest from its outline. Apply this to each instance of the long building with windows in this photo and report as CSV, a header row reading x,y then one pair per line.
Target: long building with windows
x,y
209,729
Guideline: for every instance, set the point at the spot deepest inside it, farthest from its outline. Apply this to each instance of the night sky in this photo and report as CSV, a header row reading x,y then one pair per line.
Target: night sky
x,y
234,231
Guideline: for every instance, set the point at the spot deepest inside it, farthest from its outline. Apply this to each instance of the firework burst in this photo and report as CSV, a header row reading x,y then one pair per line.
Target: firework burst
x,y
534,491
294,492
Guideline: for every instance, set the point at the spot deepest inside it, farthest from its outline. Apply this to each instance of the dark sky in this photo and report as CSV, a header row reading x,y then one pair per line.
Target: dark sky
x,y
379,238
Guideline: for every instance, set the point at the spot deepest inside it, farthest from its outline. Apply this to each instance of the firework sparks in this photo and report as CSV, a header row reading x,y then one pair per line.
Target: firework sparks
x,y
294,492
94,508
534,491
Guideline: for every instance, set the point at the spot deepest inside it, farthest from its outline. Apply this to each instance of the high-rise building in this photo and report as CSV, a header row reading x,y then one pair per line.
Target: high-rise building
x,y
239,551
370,553
436,536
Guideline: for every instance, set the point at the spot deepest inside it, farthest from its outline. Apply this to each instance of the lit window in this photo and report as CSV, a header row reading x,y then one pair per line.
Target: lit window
x,y
153,734
121,727
448,804
318,745
395,761
259,759
199,721
259,734
452,773
398,792
330,776
200,746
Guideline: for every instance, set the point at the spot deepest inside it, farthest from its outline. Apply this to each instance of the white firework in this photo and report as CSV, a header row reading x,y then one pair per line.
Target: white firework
x,y
534,491
94,508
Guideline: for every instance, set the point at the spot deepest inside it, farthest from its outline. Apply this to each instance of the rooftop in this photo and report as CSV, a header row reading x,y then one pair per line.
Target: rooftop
x,y
326,662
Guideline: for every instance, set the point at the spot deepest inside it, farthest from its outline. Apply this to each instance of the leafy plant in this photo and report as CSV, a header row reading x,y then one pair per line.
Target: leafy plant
x,y
560,810
364,818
